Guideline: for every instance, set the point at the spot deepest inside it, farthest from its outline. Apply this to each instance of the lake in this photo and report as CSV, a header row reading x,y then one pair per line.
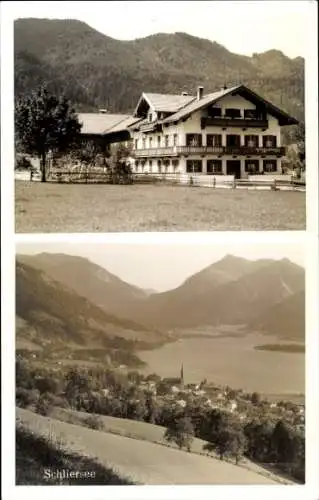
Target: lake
x,y
231,360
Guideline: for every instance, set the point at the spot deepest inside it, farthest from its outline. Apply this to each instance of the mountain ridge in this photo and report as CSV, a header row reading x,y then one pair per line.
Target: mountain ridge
x,y
87,279
51,319
113,73
232,290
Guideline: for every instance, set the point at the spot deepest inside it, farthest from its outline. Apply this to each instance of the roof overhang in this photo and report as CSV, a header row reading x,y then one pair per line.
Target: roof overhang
x,y
282,116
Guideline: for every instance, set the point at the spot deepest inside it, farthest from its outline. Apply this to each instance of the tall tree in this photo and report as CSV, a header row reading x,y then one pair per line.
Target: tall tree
x,y
181,432
229,440
45,123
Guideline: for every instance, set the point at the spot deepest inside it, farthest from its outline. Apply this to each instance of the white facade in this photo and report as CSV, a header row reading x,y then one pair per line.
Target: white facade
x,y
240,146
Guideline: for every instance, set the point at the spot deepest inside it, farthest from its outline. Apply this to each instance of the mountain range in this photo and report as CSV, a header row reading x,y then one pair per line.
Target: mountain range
x,y
97,71
264,295
53,319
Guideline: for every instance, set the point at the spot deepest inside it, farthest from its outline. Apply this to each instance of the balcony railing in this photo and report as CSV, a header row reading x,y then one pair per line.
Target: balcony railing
x,y
148,127
220,121
202,150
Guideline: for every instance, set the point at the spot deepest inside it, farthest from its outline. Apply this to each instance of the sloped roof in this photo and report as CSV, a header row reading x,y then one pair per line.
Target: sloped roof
x,y
180,106
198,104
125,124
165,102
187,110
103,123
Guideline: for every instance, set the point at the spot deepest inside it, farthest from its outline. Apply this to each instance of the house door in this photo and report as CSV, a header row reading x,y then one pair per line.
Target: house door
x,y
233,168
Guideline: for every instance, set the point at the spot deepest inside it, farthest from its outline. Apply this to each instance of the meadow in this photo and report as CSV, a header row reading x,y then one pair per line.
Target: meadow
x,y
140,461
79,208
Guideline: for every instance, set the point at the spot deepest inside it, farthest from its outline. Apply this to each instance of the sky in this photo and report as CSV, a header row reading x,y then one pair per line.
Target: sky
x,y
165,266
243,27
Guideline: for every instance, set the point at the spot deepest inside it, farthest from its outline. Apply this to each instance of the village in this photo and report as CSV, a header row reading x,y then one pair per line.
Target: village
x,y
242,404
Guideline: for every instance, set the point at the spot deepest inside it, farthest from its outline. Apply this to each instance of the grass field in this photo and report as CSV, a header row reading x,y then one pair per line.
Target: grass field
x,y
139,460
107,208
37,455
153,434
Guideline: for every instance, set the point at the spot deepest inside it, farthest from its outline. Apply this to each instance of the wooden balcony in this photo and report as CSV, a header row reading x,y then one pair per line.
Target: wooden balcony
x,y
155,152
149,127
225,122
203,150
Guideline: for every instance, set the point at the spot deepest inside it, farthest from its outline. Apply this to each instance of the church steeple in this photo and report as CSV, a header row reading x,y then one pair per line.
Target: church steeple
x,y
182,375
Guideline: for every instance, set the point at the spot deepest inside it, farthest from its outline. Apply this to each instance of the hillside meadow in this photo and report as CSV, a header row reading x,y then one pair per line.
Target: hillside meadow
x,y
139,461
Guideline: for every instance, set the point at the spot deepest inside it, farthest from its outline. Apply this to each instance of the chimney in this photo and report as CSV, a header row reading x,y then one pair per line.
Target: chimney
x,y
200,91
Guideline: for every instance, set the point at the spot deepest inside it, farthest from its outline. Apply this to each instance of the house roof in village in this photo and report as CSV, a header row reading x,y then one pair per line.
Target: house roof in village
x,y
123,124
169,103
196,104
180,107
104,123
208,99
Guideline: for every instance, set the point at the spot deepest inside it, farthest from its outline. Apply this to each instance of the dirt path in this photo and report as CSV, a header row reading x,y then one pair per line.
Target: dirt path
x,y
142,461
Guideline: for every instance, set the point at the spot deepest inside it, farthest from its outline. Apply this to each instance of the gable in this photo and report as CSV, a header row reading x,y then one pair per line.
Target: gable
x,y
234,101
161,103
240,90
282,117
142,108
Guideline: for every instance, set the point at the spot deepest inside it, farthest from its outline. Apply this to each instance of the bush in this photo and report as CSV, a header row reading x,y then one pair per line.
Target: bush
x,y
46,384
43,407
26,398
59,401
94,422
23,163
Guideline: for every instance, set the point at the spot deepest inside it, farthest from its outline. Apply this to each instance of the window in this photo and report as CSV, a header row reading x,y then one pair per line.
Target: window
x,y
150,117
136,144
175,164
250,114
136,164
194,166
214,112
270,165
252,166
159,166
251,141
193,140
150,141
214,167
175,137
269,141
166,164
158,141
150,163
232,113
214,140
144,142
233,141
166,141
